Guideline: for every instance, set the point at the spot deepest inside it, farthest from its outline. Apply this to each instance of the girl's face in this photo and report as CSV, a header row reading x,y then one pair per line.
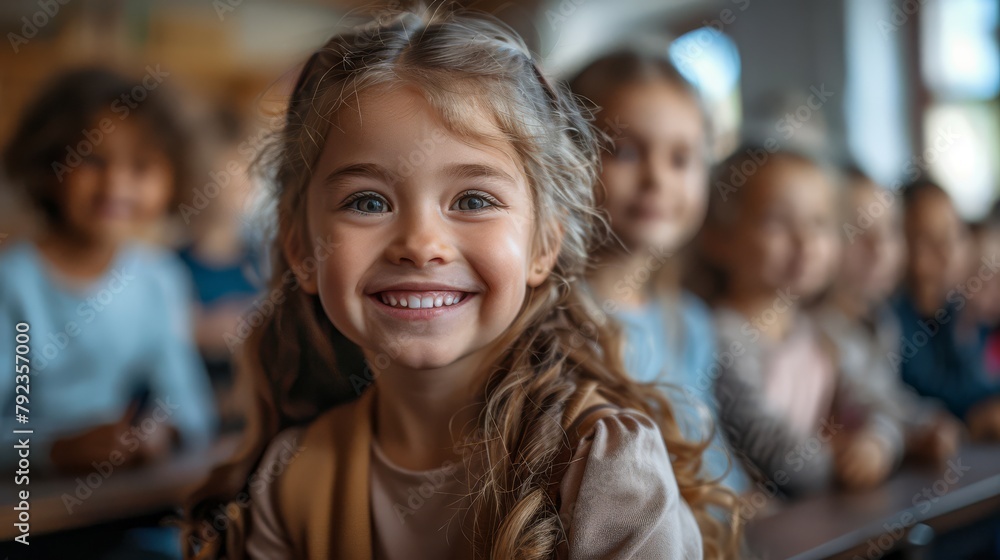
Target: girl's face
x,y
124,185
431,233
984,301
785,235
938,248
656,178
873,259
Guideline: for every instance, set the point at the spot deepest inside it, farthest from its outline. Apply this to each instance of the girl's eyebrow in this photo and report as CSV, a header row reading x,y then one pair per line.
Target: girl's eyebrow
x,y
478,171
370,170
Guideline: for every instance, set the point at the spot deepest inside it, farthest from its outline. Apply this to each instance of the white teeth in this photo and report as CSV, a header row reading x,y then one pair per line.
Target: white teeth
x,y
421,302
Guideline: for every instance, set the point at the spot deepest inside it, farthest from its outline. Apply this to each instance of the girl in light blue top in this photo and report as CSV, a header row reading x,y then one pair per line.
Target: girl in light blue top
x,y
114,377
655,190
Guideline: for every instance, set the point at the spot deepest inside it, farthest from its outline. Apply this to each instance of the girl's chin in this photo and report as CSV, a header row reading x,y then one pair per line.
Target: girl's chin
x,y
413,358
661,237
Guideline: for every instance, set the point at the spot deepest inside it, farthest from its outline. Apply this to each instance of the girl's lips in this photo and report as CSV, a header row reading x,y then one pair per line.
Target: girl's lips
x,y
423,299
419,305
113,210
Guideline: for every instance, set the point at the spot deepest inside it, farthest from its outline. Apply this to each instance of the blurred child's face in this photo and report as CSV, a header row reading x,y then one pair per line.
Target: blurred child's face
x,y
986,300
938,247
786,235
431,233
124,185
873,258
656,178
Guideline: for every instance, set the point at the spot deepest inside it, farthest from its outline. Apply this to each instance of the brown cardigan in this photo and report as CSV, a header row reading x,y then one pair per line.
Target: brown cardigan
x,y
323,501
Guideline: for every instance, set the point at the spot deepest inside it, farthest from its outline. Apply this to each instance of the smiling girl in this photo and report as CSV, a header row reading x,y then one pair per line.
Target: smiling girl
x,y
454,184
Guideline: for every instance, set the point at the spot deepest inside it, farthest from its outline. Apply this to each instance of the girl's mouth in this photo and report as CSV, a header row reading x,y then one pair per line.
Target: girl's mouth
x,y
409,304
420,300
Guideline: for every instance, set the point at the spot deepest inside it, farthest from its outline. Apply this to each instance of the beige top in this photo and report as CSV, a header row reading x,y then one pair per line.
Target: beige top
x,y
619,500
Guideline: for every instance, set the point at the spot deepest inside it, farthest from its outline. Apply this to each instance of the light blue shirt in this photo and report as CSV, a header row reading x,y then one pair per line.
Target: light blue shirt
x,y
674,344
93,347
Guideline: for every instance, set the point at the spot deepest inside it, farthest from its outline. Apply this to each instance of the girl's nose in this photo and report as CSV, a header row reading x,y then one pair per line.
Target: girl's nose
x,y
421,240
655,174
117,179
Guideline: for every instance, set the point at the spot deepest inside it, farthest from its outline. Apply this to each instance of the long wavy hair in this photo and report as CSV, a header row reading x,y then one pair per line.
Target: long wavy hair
x,y
465,64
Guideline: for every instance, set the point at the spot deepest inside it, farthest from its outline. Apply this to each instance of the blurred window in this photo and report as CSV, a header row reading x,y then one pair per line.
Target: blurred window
x,y
960,65
710,60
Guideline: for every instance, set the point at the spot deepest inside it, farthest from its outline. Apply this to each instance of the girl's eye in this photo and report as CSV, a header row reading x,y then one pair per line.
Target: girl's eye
x,y
626,152
367,203
474,202
680,160
94,160
141,166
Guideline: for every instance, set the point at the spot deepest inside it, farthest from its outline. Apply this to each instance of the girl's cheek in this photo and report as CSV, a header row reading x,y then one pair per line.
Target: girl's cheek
x,y
700,196
616,189
156,196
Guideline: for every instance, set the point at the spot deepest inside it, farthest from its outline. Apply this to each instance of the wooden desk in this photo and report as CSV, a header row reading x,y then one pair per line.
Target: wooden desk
x,y
842,525
123,494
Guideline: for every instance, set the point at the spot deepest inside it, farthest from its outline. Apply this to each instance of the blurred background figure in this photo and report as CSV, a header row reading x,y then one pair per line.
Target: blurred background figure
x,y
654,187
774,246
942,351
222,255
116,374
865,331
985,306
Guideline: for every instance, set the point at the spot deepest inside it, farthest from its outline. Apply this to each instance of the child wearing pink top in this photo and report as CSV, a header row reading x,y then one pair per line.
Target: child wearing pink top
x,y
772,245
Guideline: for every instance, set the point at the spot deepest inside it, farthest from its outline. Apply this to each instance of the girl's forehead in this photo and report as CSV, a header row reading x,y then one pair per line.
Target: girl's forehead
x,y
129,136
399,123
653,108
790,180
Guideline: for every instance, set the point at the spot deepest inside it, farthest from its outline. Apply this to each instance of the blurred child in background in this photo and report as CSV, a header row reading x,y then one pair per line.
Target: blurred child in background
x,y
654,187
857,318
772,237
985,306
115,374
223,261
941,349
